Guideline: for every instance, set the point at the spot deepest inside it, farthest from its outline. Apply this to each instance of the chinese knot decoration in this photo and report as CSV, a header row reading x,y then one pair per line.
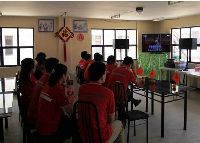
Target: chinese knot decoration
x,y
65,34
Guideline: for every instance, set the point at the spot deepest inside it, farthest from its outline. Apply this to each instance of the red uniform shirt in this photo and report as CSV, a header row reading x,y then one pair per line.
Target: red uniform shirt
x,y
82,63
86,73
26,89
85,65
123,74
33,106
51,101
109,69
33,79
103,98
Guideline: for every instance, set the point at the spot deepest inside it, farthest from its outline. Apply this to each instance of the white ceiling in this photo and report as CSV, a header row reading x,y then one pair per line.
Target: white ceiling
x,y
101,9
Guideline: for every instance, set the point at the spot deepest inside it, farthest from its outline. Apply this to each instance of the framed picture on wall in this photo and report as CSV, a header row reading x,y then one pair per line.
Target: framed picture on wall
x,y
46,25
80,25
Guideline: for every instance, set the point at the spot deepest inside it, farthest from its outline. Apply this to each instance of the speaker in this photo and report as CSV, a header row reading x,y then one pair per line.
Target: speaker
x,y
121,43
188,43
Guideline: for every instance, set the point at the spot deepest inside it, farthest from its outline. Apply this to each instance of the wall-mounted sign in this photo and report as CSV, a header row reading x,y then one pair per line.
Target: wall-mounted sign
x,y
80,37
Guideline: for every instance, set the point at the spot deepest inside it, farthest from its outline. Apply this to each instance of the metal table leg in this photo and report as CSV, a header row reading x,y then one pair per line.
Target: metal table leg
x,y
1,129
162,115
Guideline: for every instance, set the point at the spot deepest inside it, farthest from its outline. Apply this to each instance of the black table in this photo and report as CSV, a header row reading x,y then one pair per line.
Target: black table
x,y
164,90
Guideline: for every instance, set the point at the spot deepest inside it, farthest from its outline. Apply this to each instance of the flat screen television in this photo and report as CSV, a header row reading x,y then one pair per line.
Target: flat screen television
x,y
156,43
121,43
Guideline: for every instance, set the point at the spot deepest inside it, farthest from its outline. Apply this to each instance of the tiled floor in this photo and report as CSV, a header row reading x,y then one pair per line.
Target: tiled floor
x,y
173,123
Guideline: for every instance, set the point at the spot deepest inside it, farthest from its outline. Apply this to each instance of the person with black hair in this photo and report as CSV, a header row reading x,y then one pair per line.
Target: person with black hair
x,y
82,61
80,74
40,66
50,64
80,67
25,82
53,123
111,64
104,100
87,61
125,75
97,58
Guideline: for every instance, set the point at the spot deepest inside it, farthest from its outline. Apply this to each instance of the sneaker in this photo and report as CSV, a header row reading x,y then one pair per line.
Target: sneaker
x,y
137,102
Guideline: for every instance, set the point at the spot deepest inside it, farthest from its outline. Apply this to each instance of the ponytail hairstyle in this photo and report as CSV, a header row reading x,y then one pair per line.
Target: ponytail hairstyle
x,y
27,66
57,74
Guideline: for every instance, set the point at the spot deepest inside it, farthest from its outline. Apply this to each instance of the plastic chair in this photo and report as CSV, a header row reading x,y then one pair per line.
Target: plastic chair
x,y
86,112
132,115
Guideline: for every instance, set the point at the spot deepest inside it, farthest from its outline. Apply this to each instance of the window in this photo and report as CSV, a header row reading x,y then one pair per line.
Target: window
x,y
102,42
185,32
15,45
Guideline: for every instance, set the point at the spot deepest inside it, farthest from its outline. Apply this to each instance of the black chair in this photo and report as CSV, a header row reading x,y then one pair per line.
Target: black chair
x,y
120,102
132,115
85,111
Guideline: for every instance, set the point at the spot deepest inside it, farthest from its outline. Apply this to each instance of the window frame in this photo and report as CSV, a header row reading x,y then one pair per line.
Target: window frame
x,y
14,47
115,53
189,51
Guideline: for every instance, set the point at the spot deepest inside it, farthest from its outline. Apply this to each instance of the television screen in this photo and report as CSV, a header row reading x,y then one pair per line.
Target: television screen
x,y
156,42
121,43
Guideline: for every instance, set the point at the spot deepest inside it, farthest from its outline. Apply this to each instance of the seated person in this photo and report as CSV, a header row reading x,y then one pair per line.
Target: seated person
x,y
50,64
97,58
82,61
25,83
124,74
104,100
83,68
54,108
87,61
40,65
111,64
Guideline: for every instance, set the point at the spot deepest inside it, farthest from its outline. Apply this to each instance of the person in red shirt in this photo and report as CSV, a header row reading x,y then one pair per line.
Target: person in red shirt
x,y
111,64
53,124
83,68
50,64
97,58
125,75
103,98
87,61
25,84
80,68
82,61
40,68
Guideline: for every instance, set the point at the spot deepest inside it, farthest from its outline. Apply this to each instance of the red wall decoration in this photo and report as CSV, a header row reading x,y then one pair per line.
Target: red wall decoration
x,y
80,37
